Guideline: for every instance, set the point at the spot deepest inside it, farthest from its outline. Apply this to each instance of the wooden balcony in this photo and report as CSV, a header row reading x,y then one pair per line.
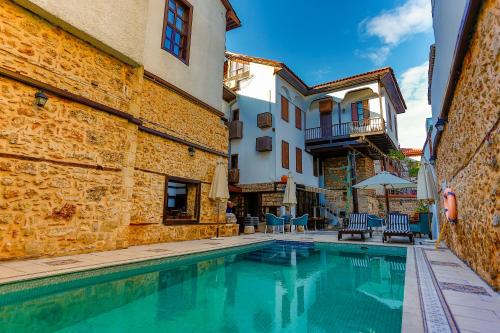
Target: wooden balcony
x,y
367,136
235,129
264,143
234,176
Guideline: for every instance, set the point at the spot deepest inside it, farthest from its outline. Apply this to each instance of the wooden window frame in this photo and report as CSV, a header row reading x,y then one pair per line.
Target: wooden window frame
x,y
236,157
197,207
298,118
236,115
285,162
187,35
285,111
298,160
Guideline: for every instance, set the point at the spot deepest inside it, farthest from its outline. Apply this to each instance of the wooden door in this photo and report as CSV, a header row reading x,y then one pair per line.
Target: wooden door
x,y
326,124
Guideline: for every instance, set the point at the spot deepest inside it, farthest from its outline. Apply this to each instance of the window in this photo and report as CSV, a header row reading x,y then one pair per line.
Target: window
x,y
298,160
389,116
359,108
234,161
285,152
315,166
176,28
298,118
236,115
238,68
182,198
284,108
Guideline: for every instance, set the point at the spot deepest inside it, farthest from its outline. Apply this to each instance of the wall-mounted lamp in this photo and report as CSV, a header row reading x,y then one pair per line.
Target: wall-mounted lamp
x,y
41,98
432,160
191,151
440,124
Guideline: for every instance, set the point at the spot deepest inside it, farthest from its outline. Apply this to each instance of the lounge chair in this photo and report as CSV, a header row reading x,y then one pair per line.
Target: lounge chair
x,y
423,225
301,221
397,225
273,221
358,224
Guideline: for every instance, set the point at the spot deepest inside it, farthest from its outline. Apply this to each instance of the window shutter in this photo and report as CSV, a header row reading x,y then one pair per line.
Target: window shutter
x,y
326,105
284,108
366,109
298,118
354,112
298,160
285,160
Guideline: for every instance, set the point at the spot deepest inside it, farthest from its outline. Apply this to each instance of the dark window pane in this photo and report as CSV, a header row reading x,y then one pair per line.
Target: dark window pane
x,y
179,24
177,38
169,32
171,4
167,44
180,11
171,16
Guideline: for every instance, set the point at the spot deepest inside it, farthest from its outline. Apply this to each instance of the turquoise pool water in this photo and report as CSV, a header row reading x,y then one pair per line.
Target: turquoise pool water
x,y
272,287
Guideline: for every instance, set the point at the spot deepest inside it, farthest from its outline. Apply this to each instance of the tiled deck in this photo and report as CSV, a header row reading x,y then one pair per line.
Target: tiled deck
x,y
441,293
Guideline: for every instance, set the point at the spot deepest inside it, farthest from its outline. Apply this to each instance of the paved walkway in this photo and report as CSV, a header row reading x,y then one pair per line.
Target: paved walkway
x,y
451,297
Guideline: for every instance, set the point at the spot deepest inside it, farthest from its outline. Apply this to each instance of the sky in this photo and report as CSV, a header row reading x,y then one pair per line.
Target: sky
x,y
324,40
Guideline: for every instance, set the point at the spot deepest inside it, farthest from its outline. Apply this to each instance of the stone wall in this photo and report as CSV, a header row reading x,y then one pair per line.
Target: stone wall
x,y
402,204
468,154
335,181
76,179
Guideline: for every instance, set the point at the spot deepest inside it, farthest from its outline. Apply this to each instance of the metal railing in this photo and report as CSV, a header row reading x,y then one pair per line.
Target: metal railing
x,y
345,129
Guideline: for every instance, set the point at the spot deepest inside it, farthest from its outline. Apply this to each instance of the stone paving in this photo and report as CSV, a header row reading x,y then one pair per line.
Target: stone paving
x,y
442,294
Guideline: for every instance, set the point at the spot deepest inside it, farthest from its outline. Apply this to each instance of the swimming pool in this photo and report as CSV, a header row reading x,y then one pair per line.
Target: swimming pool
x,y
271,287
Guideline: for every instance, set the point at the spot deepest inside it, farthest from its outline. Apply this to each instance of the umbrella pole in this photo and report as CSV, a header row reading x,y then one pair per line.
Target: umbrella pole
x,y
386,199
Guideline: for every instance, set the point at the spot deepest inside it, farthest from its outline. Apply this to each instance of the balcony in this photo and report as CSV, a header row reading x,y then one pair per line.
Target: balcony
x,y
233,81
265,120
234,176
235,129
367,136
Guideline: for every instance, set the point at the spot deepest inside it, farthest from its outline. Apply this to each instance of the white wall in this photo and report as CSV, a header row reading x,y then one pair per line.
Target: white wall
x,y
203,76
447,17
256,95
386,101
286,131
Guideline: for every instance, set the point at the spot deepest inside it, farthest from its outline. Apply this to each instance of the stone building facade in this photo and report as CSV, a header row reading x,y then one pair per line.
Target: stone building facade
x,y
88,171
468,151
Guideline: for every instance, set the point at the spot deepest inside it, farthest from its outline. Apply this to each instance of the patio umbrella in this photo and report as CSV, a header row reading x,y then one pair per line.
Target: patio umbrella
x,y
219,189
426,187
383,181
290,197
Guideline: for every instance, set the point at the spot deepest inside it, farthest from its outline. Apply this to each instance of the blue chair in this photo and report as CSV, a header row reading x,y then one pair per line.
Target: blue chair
x,y
374,221
301,221
423,225
273,221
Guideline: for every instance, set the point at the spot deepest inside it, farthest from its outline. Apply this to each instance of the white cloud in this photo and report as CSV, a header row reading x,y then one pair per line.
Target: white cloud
x,y
396,25
321,73
377,56
393,26
411,125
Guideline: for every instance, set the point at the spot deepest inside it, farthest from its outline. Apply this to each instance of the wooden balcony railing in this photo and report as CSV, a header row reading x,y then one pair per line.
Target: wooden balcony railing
x,y
364,126
234,176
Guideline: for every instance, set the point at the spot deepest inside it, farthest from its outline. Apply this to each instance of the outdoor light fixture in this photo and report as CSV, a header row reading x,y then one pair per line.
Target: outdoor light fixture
x,y
440,124
41,98
432,160
191,151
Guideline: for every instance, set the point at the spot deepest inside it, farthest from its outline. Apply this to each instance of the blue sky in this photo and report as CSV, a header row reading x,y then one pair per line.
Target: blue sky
x,y
324,40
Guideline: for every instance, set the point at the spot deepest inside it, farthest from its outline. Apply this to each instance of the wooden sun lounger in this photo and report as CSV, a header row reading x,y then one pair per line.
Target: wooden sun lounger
x,y
398,225
358,225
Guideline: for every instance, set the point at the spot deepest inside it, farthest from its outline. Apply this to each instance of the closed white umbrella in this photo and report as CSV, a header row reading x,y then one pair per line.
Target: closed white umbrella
x,y
426,187
290,197
383,181
219,190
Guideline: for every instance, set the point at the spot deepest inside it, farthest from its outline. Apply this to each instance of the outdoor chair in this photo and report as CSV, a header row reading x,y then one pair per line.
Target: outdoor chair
x,y
423,225
358,225
375,222
273,221
397,225
302,221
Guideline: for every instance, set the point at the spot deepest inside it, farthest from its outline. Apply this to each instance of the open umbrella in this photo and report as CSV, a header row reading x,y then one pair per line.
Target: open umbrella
x,y
383,181
219,189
